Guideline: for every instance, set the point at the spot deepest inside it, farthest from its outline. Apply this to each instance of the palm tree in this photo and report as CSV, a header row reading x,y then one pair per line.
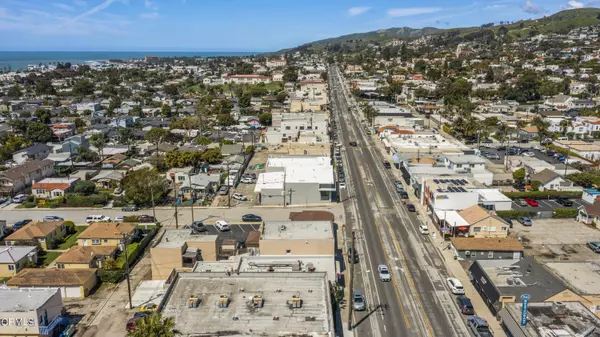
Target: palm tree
x,y
98,141
565,124
502,133
154,325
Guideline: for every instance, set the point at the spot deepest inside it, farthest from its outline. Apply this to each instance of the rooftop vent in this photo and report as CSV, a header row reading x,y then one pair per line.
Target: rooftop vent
x,y
193,301
282,228
257,301
223,301
295,302
310,267
310,318
559,308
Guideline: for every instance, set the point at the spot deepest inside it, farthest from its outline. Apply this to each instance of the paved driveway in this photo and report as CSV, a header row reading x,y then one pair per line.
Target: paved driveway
x,y
555,232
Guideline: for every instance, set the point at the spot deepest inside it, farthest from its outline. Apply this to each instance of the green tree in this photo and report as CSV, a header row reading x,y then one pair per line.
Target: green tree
x,y
212,156
290,75
183,158
265,118
154,325
15,91
85,187
43,116
99,142
203,140
136,111
225,119
142,184
281,96
165,110
126,135
10,144
79,123
171,90
38,133
44,87
369,112
519,175
244,101
83,88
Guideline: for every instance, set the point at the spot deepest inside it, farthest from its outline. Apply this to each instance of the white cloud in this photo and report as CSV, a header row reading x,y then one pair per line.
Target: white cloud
x,y
574,4
99,8
80,3
354,11
495,6
531,7
64,6
152,15
400,12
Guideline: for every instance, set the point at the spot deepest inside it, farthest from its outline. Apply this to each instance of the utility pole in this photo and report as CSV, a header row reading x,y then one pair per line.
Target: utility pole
x,y
228,191
152,198
351,281
176,200
127,270
192,197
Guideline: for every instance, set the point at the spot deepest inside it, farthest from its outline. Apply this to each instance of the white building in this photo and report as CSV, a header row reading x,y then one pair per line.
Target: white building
x,y
275,63
291,127
247,79
30,312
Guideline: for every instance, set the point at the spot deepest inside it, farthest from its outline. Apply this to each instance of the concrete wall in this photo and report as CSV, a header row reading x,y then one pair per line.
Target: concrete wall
x,y
271,197
209,249
297,247
304,193
493,230
163,260
88,286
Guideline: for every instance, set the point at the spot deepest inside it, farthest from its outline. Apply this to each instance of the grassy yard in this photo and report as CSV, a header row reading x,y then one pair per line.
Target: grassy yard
x,y
71,240
47,258
131,248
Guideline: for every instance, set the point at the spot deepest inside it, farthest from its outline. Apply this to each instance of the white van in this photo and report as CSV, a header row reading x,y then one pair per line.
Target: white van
x,y
97,218
17,199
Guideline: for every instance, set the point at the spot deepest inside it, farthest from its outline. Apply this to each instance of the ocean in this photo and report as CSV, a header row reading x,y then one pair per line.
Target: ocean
x,y
18,60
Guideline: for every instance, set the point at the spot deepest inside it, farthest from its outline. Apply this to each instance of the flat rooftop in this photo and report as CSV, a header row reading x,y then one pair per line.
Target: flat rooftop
x,y
22,300
297,230
240,318
583,276
564,319
175,238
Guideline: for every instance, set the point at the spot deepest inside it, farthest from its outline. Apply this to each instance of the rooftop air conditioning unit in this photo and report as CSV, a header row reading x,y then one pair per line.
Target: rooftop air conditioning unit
x,y
223,301
295,302
257,301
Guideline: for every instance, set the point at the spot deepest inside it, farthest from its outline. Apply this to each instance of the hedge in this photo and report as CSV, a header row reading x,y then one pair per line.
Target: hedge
x,y
543,194
564,213
111,275
87,201
514,214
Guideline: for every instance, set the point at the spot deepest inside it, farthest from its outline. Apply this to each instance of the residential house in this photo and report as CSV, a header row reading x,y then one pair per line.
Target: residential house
x,y
14,258
73,283
44,234
15,180
74,144
201,184
551,181
108,234
108,179
483,223
578,88
580,103
589,214
275,63
63,130
180,174
486,248
528,133
232,149
83,257
247,79
278,77
92,106
37,151
505,281
52,188
560,102
113,161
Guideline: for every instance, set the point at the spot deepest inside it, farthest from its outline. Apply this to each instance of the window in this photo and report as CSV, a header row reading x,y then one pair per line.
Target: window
x,y
490,255
504,229
57,194
302,128
181,178
11,267
288,128
458,165
288,251
476,229
60,265
105,241
95,241
492,229
467,253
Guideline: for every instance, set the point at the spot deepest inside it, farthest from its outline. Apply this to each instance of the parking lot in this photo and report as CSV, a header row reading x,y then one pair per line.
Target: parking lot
x,y
550,232
547,205
238,232
538,154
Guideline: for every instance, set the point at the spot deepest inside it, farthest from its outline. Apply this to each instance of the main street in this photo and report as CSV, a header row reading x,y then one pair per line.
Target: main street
x,y
416,303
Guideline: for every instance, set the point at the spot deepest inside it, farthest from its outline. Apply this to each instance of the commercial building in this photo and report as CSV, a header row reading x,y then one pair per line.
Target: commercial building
x,y
180,248
30,312
582,278
486,248
43,234
296,180
14,258
108,234
306,127
73,283
448,194
564,319
259,304
297,238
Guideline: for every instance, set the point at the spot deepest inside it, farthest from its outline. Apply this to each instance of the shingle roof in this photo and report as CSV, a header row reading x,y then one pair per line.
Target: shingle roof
x,y
544,176
107,230
27,167
34,149
51,277
84,254
34,230
486,244
474,214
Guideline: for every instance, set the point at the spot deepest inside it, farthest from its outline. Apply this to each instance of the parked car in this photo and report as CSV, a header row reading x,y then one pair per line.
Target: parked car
x,y
223,190
398,184
239,196
342,185
358,301
403,195
118,190
411,208
565,201
53,218
17,199
532,202
97,218
146,218
487,141
130,208
19,224
528,154
465,305
353,257
594,246
455,286
493,156
384,273
222,226
525,221
150,307
521,202
550,153
479,326
119,218
387,164
247,180
501,148
251,218
198,226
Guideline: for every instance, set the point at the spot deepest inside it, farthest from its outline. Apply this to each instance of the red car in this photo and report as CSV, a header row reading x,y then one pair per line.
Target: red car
x,y
531,202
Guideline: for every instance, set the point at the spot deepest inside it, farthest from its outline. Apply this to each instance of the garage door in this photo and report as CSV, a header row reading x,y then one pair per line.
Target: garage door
x,y
72,292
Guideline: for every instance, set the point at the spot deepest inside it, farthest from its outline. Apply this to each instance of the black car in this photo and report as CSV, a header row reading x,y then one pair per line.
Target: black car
x,y
352,257
564,201
403,195
550,153
354,144
387,165
411,208
251,218
501,148
465,305
20,224
146,218
196,226
524,141
130,208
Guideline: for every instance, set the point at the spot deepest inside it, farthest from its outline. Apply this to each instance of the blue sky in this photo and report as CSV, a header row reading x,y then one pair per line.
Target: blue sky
x,y
236,25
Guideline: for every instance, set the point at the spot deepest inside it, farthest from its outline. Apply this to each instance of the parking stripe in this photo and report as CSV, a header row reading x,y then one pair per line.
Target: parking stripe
x,y
242,228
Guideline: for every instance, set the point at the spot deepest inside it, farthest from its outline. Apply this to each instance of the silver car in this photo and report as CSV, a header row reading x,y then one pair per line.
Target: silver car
x,y
384,273
358,301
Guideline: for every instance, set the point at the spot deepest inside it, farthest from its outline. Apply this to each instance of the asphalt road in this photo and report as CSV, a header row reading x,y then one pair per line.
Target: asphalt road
x,y
417,302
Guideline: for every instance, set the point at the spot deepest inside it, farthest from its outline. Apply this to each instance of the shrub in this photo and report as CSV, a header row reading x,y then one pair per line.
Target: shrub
x,y
70,227
87,201
85,187
514,214
543,194
29,204
130,218
111,276
564,213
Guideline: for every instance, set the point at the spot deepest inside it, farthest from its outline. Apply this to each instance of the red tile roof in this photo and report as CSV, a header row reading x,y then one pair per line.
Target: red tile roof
x,y
50,186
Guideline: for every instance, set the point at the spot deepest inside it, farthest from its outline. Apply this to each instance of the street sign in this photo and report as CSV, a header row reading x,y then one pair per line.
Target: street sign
x,y
525,298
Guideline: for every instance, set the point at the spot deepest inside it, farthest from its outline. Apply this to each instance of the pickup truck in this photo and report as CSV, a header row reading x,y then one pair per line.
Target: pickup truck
x,y
479,327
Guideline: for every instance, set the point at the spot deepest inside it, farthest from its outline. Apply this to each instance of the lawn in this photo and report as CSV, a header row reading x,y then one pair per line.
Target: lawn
x,y
131,248
71,240
47,258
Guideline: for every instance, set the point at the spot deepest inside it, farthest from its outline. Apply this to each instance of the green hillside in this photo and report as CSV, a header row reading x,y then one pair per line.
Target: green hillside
x,y
382,34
